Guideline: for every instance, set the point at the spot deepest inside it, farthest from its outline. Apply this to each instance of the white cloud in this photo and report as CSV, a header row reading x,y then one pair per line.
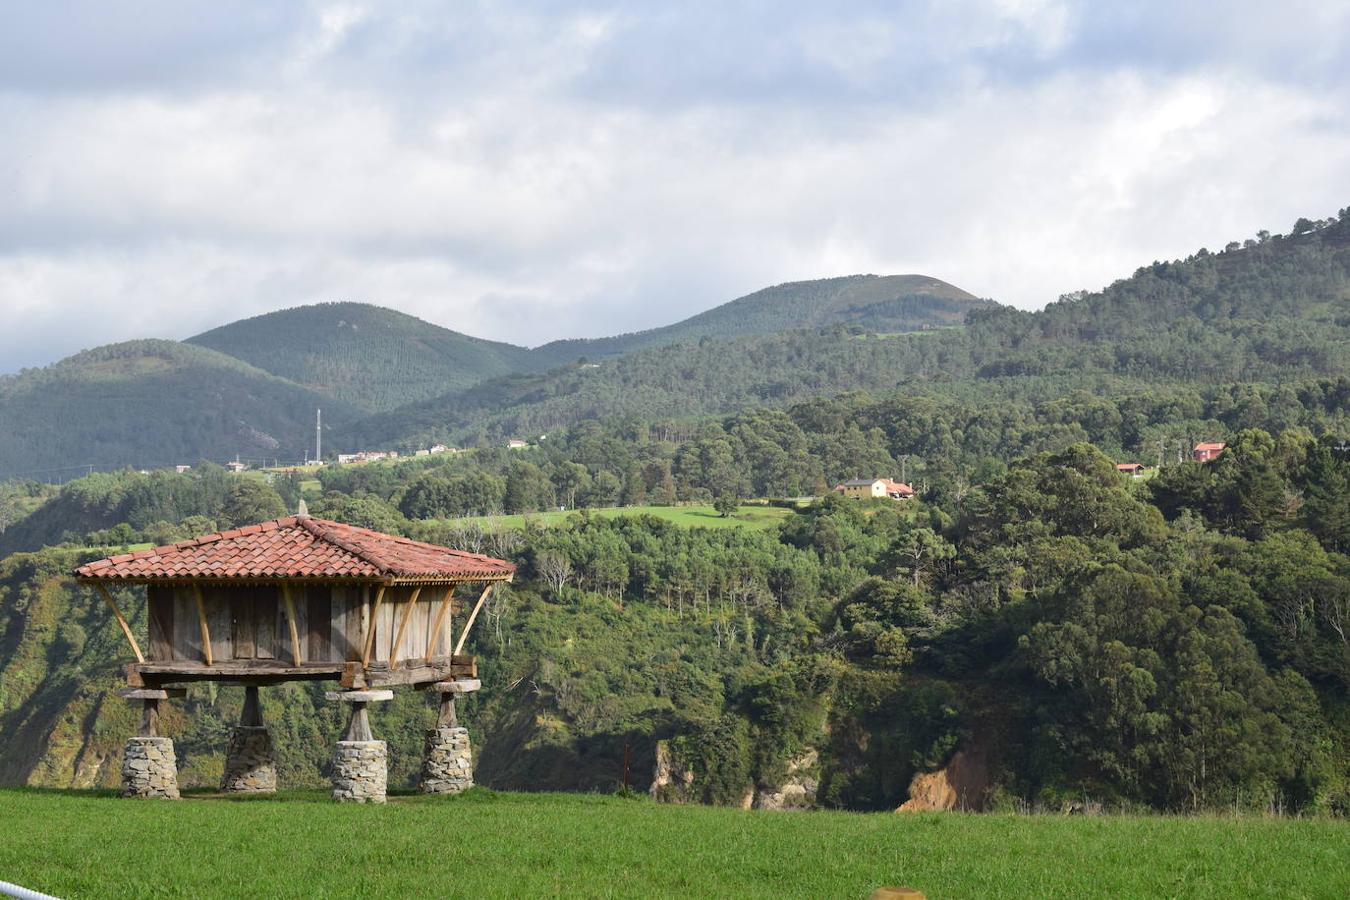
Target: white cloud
x,y
495,173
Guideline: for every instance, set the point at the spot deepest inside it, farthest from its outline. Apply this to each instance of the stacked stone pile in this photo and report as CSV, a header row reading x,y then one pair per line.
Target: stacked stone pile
x,y
447,763
360,771
149,768
250,763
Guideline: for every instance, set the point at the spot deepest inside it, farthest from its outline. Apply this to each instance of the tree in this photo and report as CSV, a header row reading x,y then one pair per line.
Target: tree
x,y
250,502
726,505
921,552
556,570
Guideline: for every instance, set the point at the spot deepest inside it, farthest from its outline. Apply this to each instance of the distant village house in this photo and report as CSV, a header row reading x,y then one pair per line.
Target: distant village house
x,y
236,466
1204,452
516,444
870,488
366,456
1134,470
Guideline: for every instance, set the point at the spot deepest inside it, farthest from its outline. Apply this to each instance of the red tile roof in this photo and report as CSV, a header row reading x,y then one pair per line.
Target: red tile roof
x,y
1129,467
298,547
1209,446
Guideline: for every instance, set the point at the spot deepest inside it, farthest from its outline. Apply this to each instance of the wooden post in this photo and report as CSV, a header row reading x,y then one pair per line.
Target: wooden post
x,y
370,628
464,635
150,699
290,620
446,602
358,726
149,718
447,718
201,622
252,713
122,621
402,627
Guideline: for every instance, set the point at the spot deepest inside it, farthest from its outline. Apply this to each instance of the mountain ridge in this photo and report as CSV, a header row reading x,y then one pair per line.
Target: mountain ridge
x,y
881,303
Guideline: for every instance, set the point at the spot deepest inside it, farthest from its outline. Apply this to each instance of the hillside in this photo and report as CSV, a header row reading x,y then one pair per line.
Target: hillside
x,y
151,403
371,357
1268,311
864,642
888,303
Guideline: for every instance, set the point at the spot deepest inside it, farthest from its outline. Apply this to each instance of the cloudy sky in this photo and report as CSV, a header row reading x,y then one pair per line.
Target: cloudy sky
x,y
528,171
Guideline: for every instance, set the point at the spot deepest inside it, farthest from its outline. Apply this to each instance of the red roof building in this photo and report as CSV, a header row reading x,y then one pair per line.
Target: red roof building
x,y
299,598
299,548
1206,451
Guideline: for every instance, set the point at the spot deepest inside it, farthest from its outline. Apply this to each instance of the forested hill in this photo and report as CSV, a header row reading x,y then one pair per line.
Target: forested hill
x,y
1272,309
151,403
371,357
888,303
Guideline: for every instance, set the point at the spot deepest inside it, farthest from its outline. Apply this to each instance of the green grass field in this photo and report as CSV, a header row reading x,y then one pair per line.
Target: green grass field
x,y
763,517
486,844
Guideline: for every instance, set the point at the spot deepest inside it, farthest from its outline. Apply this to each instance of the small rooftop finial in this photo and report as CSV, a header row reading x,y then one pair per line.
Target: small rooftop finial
x,y
302,509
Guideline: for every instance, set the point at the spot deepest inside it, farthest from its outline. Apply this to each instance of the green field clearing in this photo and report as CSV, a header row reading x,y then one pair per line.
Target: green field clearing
x,y
119,548
762,517
485,844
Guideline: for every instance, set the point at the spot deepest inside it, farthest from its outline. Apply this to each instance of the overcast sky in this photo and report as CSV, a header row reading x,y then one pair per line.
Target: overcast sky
x,y
530,171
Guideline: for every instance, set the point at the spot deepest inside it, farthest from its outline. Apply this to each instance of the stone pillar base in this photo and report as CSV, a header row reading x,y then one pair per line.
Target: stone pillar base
x,y
360,771
149,768
447,763
250,763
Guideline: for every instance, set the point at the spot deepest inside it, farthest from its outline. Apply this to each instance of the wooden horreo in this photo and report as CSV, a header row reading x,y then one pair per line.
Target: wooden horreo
x,y
301,598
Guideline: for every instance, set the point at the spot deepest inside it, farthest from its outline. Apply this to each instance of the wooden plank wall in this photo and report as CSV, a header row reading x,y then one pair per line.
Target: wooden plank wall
x,y
249,622
160,600
414,644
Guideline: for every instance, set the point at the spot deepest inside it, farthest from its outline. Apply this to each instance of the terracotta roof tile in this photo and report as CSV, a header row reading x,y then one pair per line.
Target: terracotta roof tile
x,y
297,548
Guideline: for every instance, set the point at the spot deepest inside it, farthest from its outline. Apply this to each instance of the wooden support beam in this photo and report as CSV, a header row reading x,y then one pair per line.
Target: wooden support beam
x,y
251,715
121,621
132,671
290,620
359,696
439,670
369,643
201,622
150,718
482,598
358,726
458,686
447,601
353,676
447,717
402,627
152,693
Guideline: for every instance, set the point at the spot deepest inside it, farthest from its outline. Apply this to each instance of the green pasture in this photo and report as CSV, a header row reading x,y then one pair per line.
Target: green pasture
x,y
485,844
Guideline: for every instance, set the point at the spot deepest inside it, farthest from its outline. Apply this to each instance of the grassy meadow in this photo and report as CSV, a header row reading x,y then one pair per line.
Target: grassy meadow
x,y
487,844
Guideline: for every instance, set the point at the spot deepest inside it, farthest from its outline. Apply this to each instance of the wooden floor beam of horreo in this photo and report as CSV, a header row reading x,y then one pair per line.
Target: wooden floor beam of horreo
x,y
464,635
447,601
201,623
403,626
369,643
290,620
122,622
